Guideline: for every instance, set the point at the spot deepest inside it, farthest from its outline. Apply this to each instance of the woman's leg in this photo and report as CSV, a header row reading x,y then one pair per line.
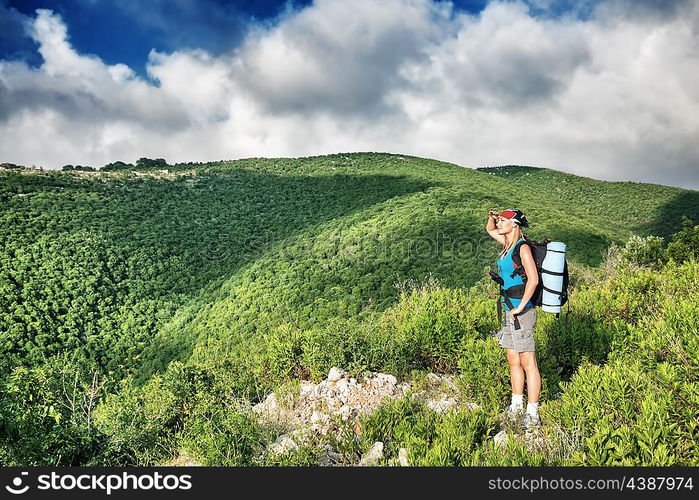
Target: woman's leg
x,y
528,362
516,372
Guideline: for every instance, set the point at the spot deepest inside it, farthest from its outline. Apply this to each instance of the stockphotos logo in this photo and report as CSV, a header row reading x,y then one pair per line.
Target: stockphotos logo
x,y
103,482
16,488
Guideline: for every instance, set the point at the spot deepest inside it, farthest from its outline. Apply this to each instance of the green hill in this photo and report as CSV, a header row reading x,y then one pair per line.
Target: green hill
x,y
259,271
640,208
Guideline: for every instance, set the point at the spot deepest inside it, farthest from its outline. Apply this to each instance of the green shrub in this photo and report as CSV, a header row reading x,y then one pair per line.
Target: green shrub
x,y
222,431
433,320
514,453
685,243
307,455
46,414
456,437
628,298
422,331
564,343
430,439
280,355
644,252
139,423
337,343
485,374
399,424
623,416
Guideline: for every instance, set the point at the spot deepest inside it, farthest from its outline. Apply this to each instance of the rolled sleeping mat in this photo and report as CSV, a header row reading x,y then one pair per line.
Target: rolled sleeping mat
x,y
552,276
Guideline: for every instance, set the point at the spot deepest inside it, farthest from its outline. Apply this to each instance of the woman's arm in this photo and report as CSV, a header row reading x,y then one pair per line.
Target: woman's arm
x,y
492,228
525,254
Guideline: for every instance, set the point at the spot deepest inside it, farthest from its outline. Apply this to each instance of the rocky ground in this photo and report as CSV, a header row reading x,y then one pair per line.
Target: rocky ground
x,y
307,411
339,395
316,409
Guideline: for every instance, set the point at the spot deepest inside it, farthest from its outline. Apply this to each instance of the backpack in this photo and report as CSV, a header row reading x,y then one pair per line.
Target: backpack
x,y
539,253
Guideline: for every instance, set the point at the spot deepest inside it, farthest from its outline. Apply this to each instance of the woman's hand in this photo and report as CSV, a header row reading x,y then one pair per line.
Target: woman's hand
x,y
517,310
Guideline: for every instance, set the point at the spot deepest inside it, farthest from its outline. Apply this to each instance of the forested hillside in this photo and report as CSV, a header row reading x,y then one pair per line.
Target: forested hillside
x,y
143,307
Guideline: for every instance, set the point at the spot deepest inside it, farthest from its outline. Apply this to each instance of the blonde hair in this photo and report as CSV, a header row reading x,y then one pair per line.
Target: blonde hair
x,y
518,236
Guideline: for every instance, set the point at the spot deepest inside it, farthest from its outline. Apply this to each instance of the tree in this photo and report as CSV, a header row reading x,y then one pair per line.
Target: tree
x,y
685,243
117,165
150,163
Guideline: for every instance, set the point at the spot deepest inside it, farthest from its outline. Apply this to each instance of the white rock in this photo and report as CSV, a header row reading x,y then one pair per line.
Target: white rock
x,y
334,374
450,382
345,397
306,389
332,404
403,458
270,403
330,453
329,457
500,438
342,385
347,412
384,379
373,456
300,435
442,405
283,444
318,417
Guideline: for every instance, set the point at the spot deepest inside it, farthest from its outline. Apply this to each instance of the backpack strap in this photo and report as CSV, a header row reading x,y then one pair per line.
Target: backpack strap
x,y
517,261
503,293
551,272
556,292
519,289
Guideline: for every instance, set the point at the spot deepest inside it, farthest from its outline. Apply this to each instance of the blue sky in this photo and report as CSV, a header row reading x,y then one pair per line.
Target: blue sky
x,y
124,31
603,88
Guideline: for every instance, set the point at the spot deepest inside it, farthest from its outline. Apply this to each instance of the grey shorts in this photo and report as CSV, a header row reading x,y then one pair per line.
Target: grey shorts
x,y
521,340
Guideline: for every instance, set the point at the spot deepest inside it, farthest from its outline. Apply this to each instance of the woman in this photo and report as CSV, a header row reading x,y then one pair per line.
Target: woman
x,y
517,335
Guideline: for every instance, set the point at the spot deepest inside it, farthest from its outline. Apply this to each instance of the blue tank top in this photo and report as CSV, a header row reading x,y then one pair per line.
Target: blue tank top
x,y
506,267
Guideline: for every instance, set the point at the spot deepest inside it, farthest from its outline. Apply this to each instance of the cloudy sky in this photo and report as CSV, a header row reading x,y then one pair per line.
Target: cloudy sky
x,y
607,89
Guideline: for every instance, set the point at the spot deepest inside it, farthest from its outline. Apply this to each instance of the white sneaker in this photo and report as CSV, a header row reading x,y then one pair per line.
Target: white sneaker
x,y
530,421
514,409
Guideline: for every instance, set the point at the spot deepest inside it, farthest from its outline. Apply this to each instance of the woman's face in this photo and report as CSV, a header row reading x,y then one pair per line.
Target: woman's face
x,y
504,226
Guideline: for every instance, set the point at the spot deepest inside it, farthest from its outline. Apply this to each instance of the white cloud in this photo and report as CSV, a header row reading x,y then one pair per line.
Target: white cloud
x,y
337,56
614,96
